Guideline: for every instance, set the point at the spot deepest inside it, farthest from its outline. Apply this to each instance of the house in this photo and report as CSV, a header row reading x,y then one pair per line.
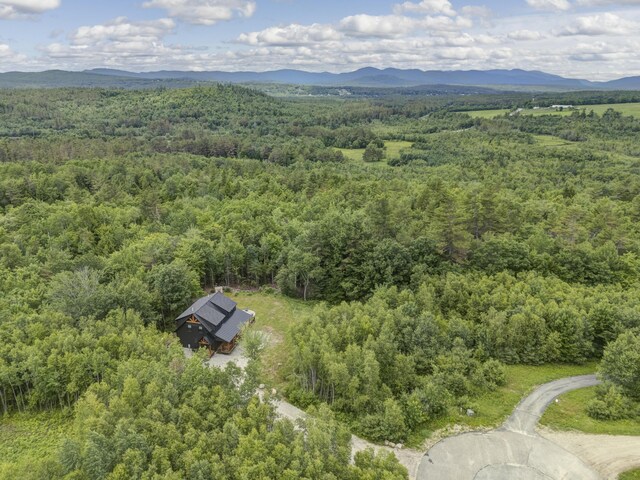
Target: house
x,y
213,322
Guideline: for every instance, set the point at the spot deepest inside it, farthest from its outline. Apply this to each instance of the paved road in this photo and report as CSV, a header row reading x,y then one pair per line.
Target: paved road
x,y
514,451
528,412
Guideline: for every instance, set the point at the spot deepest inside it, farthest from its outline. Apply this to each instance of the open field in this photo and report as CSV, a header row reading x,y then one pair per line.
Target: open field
x,y
628,109
393,149
630,475
274,315
493,407
570,414
551,141
29,439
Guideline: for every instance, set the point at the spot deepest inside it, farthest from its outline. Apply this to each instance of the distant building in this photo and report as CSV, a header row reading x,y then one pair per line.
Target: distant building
x,y
562,107
213,322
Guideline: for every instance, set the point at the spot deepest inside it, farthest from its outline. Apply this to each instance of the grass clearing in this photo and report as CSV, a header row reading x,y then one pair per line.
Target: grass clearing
x,y
352,154
630,475
551,141
494,407
274,315
570,414
29,438
486,113
393,150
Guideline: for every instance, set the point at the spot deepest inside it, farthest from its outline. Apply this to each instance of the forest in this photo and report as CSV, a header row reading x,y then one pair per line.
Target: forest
x,y
485,242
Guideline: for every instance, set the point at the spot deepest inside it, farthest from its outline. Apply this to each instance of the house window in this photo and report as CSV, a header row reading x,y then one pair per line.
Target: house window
x,y
189,327
200,327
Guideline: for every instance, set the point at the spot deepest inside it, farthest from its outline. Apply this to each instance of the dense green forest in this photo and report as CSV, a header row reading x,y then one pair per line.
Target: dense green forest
x,y
512,240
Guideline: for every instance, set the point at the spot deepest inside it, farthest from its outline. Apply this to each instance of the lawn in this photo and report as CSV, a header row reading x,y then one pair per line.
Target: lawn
x,y
487,113
570,414
551,141
630,475
393,150
27,439
274,315
494,407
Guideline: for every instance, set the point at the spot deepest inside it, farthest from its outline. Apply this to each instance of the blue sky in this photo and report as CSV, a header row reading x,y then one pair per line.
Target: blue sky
x,y
594,39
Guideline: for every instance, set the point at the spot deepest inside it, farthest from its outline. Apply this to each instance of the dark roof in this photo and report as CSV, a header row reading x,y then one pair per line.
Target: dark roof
x,y
231,327
209,313
219,316
224,303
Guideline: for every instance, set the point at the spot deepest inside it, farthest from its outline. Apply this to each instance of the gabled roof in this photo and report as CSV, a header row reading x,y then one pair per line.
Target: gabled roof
x,y
222,302
231,327
219,316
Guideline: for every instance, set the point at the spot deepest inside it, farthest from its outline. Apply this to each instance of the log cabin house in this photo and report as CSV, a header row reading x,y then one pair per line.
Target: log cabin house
x,y
213,322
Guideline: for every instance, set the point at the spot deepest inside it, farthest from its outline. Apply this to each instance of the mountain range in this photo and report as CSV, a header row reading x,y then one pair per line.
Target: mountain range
x,y
365,77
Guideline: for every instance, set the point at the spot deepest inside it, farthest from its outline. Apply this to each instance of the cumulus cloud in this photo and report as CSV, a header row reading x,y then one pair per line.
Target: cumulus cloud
x,y
525,35
441,7
396,25
599,24
204,12
560,5
428,34
25,8
293,34
120,40
123,31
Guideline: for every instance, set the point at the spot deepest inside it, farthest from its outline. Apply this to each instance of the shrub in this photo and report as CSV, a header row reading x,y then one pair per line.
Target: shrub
x,y
610,404
493,373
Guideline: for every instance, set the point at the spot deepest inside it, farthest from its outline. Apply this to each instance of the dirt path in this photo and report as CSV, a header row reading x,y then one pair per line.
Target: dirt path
x,y
609,455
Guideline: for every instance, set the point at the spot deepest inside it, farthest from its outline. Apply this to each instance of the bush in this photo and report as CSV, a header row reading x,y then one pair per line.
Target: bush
x,y
387,425
611,404
494,373
373,153
621,364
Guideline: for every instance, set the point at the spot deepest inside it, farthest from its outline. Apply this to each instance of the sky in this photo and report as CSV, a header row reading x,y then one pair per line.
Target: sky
x,y
591,39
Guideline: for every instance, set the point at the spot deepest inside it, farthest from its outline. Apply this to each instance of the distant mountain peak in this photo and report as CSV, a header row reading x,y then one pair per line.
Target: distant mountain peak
x,y
366,76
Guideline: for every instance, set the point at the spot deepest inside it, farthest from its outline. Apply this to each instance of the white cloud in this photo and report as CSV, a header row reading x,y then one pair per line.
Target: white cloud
x,y
441,7
22,8
525,35
204,12
550,4
377,25
8,55
118,41
599,24
123,32
415,34
293,34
